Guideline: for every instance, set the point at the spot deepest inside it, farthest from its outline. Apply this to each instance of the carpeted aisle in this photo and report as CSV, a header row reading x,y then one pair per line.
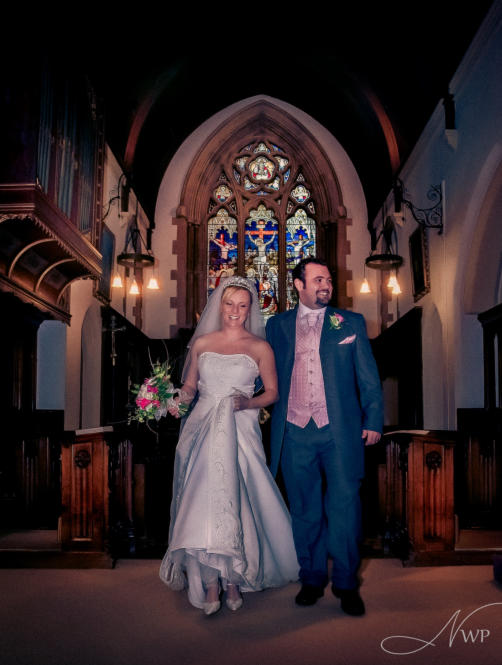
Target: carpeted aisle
x,y
127,616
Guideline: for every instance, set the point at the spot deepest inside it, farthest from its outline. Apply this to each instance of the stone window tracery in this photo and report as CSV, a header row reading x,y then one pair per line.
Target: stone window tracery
x,y
261,220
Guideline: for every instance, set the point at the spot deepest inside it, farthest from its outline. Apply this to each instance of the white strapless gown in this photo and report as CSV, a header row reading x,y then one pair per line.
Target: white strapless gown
x,y
227,513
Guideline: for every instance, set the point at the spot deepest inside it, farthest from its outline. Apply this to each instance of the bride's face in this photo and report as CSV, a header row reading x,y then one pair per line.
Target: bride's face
x,y
235,304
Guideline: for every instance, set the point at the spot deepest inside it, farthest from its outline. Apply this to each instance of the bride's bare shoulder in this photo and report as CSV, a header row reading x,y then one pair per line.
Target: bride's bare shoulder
x,y
203,342
259,344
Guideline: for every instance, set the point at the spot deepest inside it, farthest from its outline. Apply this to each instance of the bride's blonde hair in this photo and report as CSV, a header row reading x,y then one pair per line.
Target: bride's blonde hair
x,y
232,288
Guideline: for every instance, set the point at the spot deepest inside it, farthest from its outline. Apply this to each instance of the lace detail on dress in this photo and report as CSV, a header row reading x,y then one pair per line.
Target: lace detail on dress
x,y
223,481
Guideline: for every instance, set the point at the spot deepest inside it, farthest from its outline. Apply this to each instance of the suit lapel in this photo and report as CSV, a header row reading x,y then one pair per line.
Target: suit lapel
x,y
323,348
325,327
331,333
288,325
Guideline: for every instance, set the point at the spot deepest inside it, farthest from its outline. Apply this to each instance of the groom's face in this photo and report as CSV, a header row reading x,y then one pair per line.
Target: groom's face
x,y
318,287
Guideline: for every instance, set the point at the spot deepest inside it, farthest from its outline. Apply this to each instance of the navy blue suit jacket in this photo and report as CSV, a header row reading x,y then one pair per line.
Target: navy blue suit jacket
x,y
351,384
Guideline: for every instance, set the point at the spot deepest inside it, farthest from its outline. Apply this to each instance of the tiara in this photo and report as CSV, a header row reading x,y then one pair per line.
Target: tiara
x,y
241,282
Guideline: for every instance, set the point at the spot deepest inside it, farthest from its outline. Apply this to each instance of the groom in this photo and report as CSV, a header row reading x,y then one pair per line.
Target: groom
x,y
330,405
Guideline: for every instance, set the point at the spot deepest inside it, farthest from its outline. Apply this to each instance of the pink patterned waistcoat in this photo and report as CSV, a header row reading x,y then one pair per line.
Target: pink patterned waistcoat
x,y
306,394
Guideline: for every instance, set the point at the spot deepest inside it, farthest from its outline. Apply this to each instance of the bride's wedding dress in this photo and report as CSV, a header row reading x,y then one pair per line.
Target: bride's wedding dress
x,y
228,518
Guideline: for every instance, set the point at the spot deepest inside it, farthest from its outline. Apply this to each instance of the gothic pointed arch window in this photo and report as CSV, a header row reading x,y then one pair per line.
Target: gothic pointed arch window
x,y
260,195
261,220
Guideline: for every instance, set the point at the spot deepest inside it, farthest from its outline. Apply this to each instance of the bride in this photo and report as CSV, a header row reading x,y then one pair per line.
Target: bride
x,y
230,529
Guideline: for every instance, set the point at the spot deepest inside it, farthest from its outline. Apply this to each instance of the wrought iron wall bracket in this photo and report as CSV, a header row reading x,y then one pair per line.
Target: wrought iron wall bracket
x,y
430,218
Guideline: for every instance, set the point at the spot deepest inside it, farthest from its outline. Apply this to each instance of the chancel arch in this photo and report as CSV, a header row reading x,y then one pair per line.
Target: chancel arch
x,y
260,194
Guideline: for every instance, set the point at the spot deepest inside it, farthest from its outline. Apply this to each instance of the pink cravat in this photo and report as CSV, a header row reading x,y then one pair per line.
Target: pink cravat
x,y
306,395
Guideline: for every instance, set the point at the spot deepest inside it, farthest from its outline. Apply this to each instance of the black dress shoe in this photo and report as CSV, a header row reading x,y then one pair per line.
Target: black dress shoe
x,y
351,601
309,595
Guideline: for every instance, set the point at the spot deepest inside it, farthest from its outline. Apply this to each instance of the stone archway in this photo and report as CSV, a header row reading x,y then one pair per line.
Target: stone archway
x,y
259,119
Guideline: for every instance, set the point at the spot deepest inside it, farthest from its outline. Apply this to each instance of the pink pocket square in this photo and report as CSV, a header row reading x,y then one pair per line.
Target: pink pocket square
x,y
348,340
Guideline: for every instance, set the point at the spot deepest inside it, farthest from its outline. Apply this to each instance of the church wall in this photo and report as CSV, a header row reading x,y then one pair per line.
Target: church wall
x,y
118,222
51,355
91,367
434,358
81,298
158,320
466,163
84,334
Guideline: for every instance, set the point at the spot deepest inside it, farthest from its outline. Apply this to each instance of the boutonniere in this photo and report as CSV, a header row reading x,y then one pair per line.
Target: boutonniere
x,y
335,321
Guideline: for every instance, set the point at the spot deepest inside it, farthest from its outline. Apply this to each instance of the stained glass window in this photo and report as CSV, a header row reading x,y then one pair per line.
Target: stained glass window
x,y
283,162
222,193
300,243
261,147
262,168
241,162
262,255
300,194
264,222
222,248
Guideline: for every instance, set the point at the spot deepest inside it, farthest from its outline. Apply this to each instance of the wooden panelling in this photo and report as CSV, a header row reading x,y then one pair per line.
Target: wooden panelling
x,y
419,491
478,473
430,510
85,493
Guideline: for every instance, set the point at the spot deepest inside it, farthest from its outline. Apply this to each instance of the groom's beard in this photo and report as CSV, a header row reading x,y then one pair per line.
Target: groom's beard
x,y
323,299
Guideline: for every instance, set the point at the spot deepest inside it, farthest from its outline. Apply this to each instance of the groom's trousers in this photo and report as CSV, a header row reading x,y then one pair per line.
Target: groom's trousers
x,y
324,504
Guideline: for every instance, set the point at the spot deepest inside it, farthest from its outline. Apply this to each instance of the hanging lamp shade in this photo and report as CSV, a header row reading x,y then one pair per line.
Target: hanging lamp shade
x,y
153,284
134,290
117,282
392,282
365,287
396,289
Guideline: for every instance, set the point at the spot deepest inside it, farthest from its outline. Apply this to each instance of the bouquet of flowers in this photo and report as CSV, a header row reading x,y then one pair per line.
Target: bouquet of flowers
x,y
156,395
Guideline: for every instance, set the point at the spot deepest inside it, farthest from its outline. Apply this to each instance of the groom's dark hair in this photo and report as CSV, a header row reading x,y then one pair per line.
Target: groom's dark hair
x,y
298,271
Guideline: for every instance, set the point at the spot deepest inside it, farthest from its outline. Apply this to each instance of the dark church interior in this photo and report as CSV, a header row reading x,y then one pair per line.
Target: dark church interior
x,y
125,167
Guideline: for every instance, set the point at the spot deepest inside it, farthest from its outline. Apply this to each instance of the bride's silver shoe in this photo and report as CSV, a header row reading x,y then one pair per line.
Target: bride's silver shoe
x,y
233,603
212,608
